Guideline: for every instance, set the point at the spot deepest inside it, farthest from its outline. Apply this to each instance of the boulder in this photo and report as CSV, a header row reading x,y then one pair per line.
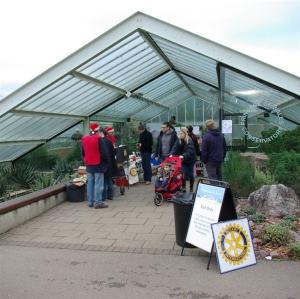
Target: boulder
x,y
275,201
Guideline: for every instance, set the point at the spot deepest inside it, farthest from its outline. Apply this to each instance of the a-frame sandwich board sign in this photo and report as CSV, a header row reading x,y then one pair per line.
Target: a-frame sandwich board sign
x,y
213,203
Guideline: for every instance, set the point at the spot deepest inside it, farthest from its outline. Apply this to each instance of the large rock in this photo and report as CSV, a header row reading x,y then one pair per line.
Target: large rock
x,y
275,201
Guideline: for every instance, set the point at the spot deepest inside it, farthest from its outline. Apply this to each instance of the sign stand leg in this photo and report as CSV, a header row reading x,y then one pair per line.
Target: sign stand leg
x,y
182,248
211,253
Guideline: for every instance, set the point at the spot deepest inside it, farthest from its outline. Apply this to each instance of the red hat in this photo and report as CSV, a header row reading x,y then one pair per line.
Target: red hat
x,y
109,129
94,127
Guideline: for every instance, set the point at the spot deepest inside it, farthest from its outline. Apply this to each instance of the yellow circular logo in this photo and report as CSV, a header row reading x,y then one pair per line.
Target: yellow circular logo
x,y
233,244
133,172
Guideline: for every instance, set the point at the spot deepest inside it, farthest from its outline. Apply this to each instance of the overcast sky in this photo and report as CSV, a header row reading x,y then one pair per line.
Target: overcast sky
x,y
36,34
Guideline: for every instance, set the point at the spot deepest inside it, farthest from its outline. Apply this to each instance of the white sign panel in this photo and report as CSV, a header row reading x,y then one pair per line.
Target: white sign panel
x,y
206,211
227,126
233,243
177,130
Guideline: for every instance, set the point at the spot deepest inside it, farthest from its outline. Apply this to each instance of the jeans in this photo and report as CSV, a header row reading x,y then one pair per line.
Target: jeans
x,y
146,164
108,190
95,182
214,170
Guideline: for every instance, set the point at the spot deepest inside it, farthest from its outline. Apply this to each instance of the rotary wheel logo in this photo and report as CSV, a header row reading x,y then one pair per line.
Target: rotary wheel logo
x,y
233,244
133,172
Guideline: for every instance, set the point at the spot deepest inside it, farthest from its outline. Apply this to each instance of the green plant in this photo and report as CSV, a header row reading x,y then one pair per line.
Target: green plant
x,y
61,170
290,224
249,210
276,234
22,174
3,185
40,158
75,154
286,169
286,141
257,218
290,218
42,181
262,178
294,250
239,173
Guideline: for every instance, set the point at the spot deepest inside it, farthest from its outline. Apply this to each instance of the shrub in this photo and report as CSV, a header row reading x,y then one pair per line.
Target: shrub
x,y
276,234
294,250
257,218
42,181
290,224
75,154
22,174
40,158
239,173
61,170
249,210
286,169
262,178
3,185
286,141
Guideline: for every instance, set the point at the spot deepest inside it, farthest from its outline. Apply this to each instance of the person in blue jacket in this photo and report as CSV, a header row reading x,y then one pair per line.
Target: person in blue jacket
x,y
213,150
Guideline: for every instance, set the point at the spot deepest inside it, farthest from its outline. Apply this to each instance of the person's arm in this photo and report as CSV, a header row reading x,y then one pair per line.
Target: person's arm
x,y
175,148
224,147
204,150
82,153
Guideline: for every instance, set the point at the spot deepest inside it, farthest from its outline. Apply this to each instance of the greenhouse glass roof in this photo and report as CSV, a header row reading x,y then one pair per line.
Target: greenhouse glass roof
x,y
141,68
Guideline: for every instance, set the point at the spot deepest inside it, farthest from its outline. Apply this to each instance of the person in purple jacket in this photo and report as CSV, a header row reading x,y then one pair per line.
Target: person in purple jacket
x,y
213,151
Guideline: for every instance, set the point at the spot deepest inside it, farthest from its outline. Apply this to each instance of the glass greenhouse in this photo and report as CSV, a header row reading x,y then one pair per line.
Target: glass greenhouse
x,y
148,70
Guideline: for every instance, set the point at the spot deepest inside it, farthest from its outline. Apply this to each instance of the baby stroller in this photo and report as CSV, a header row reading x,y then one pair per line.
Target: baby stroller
x,y
169,180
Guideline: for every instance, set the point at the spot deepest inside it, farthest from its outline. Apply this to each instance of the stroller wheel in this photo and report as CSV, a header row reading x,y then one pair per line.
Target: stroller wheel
x,y
158,199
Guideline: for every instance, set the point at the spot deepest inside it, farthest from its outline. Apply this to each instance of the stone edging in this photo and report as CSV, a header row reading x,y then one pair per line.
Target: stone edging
x,y
28,199
154,251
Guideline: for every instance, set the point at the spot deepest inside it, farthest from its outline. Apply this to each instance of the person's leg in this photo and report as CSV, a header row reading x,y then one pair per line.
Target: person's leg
x,y
190,175
99,183
90,189
185,176
147,167
219,171
110,188
105,188
211,169
144,165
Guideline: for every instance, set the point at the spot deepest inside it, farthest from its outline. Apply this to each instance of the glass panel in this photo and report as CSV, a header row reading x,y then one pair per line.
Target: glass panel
x,y
190,112
181,114
189,61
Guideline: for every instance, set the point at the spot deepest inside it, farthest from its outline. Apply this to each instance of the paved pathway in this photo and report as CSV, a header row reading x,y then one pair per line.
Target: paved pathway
x,y
49,273
131,223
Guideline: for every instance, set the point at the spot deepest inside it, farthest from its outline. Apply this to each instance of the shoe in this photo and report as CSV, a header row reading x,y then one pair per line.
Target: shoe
x,y
110,199
90,205
102,206
147,183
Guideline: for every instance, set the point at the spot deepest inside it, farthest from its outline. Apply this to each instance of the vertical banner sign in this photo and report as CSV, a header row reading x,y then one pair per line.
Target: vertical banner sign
x,y
233,243
206,211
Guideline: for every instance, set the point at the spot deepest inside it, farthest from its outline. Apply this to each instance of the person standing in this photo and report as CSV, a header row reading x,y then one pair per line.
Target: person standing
x,y
108,191
213,151
145,146
165,141
184,147
94,155
194,139
111,136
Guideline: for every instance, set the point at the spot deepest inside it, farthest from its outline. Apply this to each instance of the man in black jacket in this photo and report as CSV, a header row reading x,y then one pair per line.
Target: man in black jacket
x,y
145,146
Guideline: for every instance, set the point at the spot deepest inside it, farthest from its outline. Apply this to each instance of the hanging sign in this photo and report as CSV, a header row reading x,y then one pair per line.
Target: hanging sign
x,y
233,244
206,210
227,126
